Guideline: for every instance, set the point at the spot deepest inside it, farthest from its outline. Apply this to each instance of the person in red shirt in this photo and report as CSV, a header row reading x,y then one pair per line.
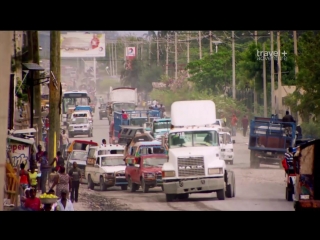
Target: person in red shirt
x,y
95,41
33,202
124,115
234,121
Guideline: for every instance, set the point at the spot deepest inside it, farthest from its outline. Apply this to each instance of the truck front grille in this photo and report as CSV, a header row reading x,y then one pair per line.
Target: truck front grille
x,y
192,166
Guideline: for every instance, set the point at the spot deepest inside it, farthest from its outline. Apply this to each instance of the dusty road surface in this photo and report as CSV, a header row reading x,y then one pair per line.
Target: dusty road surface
x,y
256,189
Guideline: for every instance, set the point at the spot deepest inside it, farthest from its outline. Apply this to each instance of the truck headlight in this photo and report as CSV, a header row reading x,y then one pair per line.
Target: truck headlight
x,y
212,171
149,175
168,174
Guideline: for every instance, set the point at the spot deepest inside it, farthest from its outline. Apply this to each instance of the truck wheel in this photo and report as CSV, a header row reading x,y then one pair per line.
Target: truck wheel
x,y
221,194
254,161
90,183
102,185
145,188
289,193
230,188
183,196
170,197
131,185
124,187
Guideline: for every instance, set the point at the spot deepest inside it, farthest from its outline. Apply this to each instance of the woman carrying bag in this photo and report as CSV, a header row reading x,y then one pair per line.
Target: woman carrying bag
x,y
62,181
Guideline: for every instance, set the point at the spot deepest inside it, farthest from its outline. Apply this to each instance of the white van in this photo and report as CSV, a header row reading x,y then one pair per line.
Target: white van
x,y
226,146
77,114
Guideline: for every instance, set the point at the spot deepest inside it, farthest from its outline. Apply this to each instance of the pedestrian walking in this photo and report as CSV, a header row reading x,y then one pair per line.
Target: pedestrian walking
x,y
45,169
60,160
64,204
234,121
62,182
245,123
65,141
75,174
33,178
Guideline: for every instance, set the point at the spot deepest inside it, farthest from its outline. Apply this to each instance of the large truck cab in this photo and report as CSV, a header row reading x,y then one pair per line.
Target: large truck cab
x,y
194,164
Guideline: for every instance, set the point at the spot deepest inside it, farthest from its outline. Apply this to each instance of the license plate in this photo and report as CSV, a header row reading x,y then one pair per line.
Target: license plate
x,y
269,153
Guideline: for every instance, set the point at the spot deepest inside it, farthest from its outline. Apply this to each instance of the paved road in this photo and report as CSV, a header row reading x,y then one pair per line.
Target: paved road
x,y
256,189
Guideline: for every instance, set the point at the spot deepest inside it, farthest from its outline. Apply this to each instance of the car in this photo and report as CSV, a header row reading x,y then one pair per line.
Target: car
x,y
103,113
145,171
80,157
80,126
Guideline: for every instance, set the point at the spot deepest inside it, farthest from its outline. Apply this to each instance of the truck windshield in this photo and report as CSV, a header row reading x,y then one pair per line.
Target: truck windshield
x,y
81,156
112,161
193,139
117,107
151,162
160,126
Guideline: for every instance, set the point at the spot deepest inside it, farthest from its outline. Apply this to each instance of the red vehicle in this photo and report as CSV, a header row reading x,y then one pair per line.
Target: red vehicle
x,y
145,171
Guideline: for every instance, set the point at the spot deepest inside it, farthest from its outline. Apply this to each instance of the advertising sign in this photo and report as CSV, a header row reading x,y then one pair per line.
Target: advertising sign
x,y
19,154
81,45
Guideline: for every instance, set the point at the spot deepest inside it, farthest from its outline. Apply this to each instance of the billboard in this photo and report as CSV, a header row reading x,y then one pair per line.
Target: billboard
x,y
81,44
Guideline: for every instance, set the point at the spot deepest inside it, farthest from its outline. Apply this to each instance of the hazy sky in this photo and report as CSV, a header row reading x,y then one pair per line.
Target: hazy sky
x,y
136,33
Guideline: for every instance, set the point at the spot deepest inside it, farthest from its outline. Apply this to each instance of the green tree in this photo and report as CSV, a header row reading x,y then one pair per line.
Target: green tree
x,y
307,93
212,73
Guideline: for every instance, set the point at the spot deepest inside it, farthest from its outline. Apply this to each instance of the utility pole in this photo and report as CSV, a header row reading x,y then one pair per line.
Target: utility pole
x,y
109,54
265,106
112,60
158,51
176,55
210,33
167,56
279,97
141,52
115,59
5,67
188,46
200,45
233,68
272,74
255,100
54,95
37,87
149,49
295,47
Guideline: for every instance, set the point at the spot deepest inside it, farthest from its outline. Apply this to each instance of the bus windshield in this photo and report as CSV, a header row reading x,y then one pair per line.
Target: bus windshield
x,y
72,102
194,139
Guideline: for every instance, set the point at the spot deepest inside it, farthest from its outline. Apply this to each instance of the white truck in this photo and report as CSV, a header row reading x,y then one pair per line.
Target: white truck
x,y
226,144
194,164
122,98
106,167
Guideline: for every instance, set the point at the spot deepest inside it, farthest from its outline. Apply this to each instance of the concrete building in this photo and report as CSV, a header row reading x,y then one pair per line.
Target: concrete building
x,y
281,108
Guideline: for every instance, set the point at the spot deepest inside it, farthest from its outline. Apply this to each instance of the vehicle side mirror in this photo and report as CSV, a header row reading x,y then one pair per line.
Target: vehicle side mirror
x,y
233,141
137,165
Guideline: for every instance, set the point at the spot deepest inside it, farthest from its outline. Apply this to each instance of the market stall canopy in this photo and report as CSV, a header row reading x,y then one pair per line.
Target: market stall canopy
x,y
29,141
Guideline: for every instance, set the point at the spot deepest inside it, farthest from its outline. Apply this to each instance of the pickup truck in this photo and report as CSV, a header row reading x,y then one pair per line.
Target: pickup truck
x,y
107,169
146,171
269,140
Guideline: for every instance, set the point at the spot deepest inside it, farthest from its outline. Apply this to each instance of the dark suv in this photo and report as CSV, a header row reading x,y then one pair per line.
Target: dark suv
x,y
103,113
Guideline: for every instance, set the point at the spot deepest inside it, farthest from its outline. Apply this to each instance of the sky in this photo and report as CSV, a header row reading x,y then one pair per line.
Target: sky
x,y
135,33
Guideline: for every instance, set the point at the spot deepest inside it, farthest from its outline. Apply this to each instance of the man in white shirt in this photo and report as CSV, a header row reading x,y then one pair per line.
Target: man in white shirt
x,y
104,143
64,204
65,142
